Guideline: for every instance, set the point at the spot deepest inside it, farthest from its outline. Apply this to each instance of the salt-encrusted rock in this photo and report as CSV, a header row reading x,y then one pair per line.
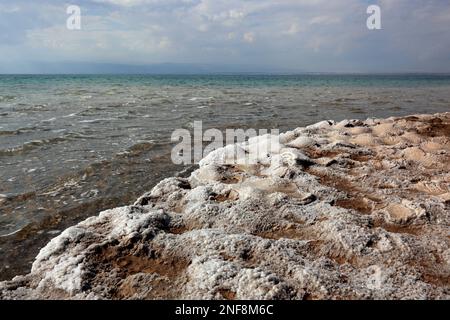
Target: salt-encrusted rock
x,y
302,142
321,125
354,210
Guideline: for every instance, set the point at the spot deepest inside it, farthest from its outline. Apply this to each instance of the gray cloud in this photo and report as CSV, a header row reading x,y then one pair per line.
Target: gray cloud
x,y
313,35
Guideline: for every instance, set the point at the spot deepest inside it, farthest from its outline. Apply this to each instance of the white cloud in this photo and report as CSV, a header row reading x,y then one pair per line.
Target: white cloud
x,y
96,40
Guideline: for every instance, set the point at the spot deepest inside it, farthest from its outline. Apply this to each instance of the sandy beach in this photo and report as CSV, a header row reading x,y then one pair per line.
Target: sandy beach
x,y
339,210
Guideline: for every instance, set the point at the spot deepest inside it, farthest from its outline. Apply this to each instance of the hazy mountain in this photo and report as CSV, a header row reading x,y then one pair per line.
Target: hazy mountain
x,y
162,68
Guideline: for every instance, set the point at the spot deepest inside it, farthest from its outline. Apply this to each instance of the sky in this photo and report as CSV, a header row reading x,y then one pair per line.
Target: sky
x,y
226,35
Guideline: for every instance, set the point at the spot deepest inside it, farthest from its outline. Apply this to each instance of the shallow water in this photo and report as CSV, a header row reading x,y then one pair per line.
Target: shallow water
x,y
71,146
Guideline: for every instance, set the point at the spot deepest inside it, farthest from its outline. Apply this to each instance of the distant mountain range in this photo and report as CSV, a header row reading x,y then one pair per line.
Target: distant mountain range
x,y
71,67
161,68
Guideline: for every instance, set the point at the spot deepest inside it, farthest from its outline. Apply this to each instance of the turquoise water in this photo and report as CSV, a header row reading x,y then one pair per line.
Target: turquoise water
x,y
400,80
72,145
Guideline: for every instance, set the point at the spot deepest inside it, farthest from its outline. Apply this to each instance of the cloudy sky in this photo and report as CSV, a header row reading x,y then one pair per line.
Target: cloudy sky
x,y
284,35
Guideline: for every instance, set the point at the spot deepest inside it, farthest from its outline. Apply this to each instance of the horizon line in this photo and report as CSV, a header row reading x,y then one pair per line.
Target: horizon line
x,y
227,73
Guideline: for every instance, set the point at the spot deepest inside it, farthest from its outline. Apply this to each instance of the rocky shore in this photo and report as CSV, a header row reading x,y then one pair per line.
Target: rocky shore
x,y
348,210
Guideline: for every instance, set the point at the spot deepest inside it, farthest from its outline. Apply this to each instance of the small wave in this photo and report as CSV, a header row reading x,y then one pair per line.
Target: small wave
x,y
70,115
140,147
59,130
97,120
379,102
40,107
49,120
22,107
10,227
127,116
27,146
78,135
201,98
357,110
7,98
8,233
9,133
90,112
79,92
17,131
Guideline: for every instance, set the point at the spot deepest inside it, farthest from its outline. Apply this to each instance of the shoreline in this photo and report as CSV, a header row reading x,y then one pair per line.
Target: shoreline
x,y
359,210
71,160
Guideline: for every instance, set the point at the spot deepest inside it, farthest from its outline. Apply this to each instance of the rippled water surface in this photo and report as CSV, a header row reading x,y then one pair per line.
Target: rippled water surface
x,y
73,145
